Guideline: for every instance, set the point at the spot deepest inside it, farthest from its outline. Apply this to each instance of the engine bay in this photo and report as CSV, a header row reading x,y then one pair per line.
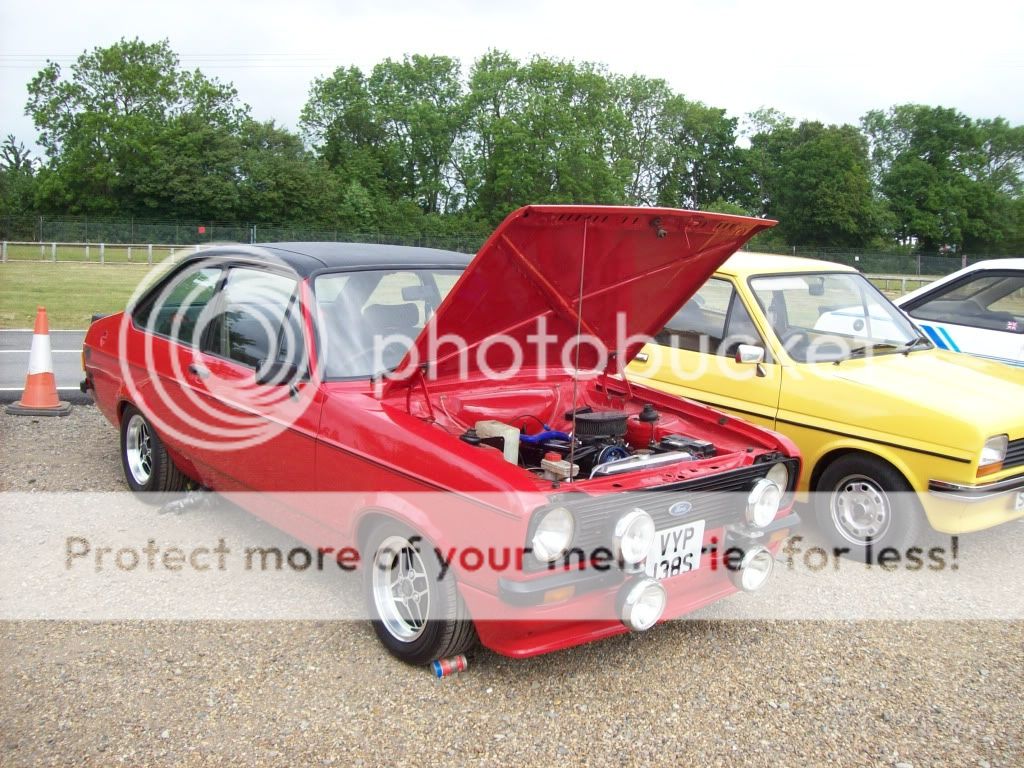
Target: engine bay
x,y
592,443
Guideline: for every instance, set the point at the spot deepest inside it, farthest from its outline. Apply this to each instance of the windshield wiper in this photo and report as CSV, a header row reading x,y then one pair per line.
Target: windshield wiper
x,y
859,351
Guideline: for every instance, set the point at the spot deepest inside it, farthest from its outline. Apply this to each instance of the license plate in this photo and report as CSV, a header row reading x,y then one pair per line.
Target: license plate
x,y
675,550
1018,505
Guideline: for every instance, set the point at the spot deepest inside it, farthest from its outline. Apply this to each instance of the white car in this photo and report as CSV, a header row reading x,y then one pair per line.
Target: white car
x,y
978,310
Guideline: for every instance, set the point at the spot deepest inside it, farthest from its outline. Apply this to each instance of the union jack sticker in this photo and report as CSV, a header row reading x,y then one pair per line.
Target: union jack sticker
x,y
1011,325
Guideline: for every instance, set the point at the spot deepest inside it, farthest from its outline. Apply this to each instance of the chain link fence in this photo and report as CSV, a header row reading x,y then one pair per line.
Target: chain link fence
x,y
128,240
885,262
130,231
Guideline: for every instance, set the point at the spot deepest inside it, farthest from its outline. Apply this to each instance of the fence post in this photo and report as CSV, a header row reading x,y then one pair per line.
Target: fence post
x,y
130,252
3,251
42,251
53,252
86,251
101,252
149,254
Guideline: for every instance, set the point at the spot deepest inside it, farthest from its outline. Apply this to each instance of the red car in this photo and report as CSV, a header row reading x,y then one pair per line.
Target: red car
x,y
463,422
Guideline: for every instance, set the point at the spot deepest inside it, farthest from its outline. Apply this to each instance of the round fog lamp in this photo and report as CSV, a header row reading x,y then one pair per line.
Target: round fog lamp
x,y
763,502
633,535
754,570
553,534
641,604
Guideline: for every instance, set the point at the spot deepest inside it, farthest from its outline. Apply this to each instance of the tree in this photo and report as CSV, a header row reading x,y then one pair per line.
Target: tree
x,y
419,109
393,132
816,181
948,180
641,149
542,132
494,97
339,121
701,160
280,180
112,131
17,178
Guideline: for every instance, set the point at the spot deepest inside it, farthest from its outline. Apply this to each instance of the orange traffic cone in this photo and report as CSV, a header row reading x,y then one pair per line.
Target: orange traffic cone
x,y
40,395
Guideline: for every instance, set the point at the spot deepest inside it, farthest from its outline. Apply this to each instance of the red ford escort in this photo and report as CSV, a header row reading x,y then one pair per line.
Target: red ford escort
x,y
462,422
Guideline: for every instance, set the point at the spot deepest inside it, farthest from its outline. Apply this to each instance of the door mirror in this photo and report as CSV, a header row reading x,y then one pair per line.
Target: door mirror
x,y
278,372
748,353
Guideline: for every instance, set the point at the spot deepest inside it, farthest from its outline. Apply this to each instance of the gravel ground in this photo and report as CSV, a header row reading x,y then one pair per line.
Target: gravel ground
x,y
924,693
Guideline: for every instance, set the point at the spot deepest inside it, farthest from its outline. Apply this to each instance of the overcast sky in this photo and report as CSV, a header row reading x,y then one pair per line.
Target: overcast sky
x,y
810,60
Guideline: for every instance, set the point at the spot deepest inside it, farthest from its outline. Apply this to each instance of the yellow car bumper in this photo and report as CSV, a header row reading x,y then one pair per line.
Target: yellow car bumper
x,y
962,508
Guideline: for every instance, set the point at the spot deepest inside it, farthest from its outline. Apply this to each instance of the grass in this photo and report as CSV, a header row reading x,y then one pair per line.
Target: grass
x,y
70,292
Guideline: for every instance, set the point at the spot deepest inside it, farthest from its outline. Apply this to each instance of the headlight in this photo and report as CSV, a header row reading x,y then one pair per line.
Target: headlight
x,y
779,474
632,537
763,502
993,453
553,534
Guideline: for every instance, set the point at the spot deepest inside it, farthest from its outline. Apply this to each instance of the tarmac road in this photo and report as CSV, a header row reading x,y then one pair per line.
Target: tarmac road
x,y
67,363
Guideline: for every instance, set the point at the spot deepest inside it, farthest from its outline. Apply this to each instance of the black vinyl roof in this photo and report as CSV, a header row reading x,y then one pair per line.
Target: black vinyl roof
x,y
306,258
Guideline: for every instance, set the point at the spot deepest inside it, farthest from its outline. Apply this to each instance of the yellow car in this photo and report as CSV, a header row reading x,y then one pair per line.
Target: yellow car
x,y
893,430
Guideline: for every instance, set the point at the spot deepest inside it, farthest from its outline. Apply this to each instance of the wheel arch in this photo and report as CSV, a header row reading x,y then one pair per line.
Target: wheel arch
x,y
122,406
831,456
371,517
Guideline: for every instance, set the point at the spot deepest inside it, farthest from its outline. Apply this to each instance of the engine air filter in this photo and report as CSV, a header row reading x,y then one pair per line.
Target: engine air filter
x,y
601,424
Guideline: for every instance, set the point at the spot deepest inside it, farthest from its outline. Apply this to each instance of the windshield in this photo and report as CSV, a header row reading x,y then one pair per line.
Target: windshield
x,y
831,316
367,320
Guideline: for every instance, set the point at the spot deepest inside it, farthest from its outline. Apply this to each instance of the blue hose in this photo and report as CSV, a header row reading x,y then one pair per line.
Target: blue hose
x,y
541,437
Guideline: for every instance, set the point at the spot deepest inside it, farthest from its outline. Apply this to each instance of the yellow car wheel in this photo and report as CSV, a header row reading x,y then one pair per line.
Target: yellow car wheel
x,y
865,506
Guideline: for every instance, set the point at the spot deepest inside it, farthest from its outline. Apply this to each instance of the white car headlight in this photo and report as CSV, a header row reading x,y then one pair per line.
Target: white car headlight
x,y
779,474
763,502
553,534
632,537
994,450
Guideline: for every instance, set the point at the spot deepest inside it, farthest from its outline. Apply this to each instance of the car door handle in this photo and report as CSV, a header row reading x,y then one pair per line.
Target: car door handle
x,y
199,370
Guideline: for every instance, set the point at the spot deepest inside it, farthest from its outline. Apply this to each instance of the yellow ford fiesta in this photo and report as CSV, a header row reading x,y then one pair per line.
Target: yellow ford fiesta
x,y
893,431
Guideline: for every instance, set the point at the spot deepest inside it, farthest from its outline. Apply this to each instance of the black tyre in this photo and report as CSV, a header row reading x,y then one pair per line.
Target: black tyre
x,y
147,467
417,615
864,505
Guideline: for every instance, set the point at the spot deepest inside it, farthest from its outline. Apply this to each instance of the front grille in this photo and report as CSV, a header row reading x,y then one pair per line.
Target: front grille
x,y
717,499
1014,454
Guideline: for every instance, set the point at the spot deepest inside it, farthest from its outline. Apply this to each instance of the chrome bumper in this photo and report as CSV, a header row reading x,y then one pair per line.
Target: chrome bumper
x,y
976,492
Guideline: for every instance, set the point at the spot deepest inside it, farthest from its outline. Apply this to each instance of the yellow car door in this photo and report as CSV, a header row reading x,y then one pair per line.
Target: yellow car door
x,y
710,351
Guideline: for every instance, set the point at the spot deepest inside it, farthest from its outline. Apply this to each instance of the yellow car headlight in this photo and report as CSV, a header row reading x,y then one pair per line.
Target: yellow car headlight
x,y
992,454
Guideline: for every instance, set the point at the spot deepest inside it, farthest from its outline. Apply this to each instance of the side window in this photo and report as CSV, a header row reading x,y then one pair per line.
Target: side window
x,y
714,320
259,319
175,309
994,302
